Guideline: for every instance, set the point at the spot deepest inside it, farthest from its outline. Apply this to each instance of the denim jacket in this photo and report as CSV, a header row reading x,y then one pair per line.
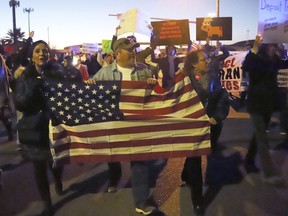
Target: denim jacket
x,y
110,72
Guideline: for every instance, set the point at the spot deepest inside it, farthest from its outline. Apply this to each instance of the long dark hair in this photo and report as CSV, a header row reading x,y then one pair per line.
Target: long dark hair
x,y
190,59
263,49
30,53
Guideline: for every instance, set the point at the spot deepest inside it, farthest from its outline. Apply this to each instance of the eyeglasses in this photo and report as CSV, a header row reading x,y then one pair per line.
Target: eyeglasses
x,y
207,60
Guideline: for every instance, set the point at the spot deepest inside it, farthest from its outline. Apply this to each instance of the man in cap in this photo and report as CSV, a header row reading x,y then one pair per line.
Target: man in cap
x,y
124,68
141,55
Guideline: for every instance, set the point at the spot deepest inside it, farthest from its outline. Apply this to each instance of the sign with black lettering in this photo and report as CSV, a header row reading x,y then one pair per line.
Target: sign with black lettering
x,y
171,32
215,28
282,78
273,21
231,75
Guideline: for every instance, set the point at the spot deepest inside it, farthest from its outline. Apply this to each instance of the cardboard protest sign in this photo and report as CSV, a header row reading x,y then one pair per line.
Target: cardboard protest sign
x,y
171,32
282,78
74,49
273,21
135,20
89,48
106,46
216,28
232,76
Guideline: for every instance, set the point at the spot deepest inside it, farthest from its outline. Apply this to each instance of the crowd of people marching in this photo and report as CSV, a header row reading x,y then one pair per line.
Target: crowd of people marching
x,y
24,71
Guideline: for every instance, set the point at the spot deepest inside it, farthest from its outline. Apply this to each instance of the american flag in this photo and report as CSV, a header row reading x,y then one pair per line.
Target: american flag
x,y
125,120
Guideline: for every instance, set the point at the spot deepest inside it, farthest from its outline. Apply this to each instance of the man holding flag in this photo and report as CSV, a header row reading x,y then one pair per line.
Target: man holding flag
x,y
124,116
124,69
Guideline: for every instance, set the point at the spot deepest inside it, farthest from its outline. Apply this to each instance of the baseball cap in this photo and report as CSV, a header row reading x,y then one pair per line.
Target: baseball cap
x,y
124,43
132,38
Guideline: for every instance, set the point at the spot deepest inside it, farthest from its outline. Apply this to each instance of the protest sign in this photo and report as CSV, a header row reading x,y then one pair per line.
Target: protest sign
x,y
232,76
282,78
171,32
135,20
89,48
216,28
273,21
106,46
74,49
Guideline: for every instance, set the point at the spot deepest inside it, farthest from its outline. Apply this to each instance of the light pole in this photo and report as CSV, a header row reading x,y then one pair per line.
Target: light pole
x,y
13,4
28,10
217,8
48,34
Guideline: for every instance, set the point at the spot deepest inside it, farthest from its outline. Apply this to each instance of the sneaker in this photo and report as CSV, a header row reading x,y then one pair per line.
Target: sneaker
x,y
198,210
183,184
1,184
273,180
145,208
111,189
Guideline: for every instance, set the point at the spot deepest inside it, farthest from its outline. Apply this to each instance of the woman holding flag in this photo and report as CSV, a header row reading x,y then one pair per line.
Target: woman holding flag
x,y
33,128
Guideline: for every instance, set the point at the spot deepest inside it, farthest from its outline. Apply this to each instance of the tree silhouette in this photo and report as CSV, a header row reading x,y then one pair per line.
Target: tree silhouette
x,y
10,36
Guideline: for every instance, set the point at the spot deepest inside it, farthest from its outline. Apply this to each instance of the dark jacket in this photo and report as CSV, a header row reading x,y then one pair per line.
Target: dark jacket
x,y
213,96
163,64
28,96
216,60
72,73
29,87
262,90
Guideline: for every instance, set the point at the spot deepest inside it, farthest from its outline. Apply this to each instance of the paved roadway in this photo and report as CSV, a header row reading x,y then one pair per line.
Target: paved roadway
x,y
241,195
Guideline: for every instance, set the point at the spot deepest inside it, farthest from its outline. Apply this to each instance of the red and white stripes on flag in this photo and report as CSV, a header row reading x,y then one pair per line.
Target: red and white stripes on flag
x,y
156,125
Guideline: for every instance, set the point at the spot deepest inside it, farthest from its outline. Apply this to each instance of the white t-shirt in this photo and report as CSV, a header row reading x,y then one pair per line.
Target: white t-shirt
x,y
126,72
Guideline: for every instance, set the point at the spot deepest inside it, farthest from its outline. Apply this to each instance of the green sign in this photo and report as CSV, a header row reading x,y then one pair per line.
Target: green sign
x,y
106,46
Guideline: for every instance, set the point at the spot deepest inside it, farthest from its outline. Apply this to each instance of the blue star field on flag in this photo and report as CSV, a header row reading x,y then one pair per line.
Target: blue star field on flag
x,y
79,103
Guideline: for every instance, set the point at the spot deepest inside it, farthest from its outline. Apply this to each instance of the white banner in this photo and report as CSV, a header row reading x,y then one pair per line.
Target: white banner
x,y
273,21
74,49
235,80
89,48
135,20
232,76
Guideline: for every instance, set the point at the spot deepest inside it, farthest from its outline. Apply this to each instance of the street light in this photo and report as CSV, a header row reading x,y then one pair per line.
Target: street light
x,y
13,4
28,10
217,8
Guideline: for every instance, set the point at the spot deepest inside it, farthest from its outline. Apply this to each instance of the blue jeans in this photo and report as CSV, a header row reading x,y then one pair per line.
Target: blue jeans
x,y
140,181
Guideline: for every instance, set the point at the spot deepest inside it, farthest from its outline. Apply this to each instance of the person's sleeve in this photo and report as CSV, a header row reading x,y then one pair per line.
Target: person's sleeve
x,y
148,51
154,59
251,62
114,38
85,74
225,53
25,93
223,106
99,59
